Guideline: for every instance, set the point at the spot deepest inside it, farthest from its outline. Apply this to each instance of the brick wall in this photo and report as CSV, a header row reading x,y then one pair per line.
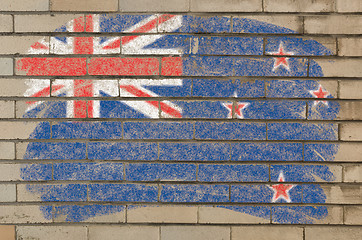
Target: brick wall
x,y
90,147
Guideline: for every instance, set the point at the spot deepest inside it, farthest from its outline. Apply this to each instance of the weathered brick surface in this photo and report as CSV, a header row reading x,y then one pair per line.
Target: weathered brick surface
x,y
166,214
41,23
6,23
299,5
341,67
154,5
7,192
341,24
349,47
266,233
349,6
343,194
352,215
18,130
18,44
350,110
349,152
21,214
19,5
350,89
351,132
7,109
7,150
332,233
194,232
6,66
226,6
127,232
11,87
7,232
84,5
52,232
353,173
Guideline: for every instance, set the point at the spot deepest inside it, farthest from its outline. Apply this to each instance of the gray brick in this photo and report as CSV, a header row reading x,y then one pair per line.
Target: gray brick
x,y
350,47
19,44
154,5
42,23
7,192
6,23
351,131
349,6
266,233
194,232
352,215
84,5
226,6
24,5
52,232
6,66
299,5
334,24
22,214
333,233
127,232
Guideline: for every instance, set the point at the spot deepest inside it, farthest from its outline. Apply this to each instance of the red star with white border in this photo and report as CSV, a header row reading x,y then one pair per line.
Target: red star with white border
x,y
238,108
281,191
281,61
320,93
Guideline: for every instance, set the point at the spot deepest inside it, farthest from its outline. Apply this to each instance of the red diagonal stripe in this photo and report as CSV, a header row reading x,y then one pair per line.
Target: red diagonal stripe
x,y
123,66
53,66
45,92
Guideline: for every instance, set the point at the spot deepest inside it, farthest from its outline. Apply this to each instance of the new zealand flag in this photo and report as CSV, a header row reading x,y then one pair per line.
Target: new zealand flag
x,y
161,109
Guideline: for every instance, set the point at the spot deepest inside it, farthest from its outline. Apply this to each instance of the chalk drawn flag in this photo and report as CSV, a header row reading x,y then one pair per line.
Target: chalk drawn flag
x,y
147,110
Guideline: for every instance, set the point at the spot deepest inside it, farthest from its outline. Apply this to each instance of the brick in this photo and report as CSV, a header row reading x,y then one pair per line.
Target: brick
x,y
349,152
194,193
7,192
41,23
88,130
350,110
194,151
194,232
299,6
352,173
6,23
7,232
339,68
7,150
158,130
52,193
349,6
351,132
302,173
18,87
233,173
22,130
332,233
51,150
266,233
352,215
6,66
343,194
219,215
20,44
160,172
350,89
154,5
88,171
266,152
94,213
84,5
52,232
127,232
7,109
226,6
10,172
337,24
19,5
302,131
123,192
27,172
350,46
22,214
290,24
162,214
